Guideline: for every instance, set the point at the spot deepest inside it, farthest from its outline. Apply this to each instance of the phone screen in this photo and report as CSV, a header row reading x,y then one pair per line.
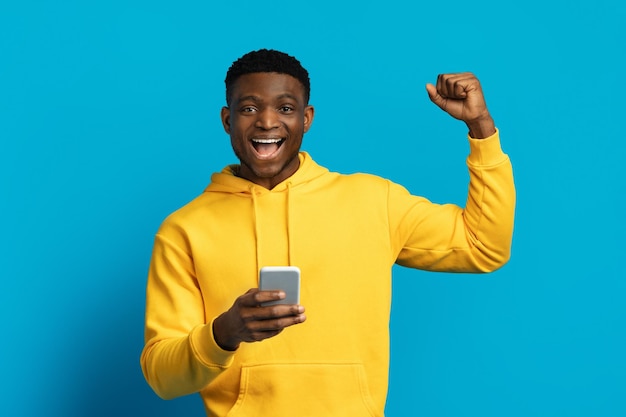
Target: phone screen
x,y
285,278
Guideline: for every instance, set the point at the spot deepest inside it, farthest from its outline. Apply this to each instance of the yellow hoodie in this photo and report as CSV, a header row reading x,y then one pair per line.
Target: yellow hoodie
x,y
344,232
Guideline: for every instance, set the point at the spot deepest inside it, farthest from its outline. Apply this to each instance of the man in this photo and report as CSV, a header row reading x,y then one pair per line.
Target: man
x,y
206,328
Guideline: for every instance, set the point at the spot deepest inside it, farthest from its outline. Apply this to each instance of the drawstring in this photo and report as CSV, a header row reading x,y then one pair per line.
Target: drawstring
x,y
256,228
289,223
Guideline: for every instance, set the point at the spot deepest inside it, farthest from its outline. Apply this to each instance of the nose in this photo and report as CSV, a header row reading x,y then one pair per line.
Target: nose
x,y
267,119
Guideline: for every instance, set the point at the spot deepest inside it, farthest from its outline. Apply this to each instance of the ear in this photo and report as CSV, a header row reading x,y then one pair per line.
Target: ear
x,y
225,115
309,112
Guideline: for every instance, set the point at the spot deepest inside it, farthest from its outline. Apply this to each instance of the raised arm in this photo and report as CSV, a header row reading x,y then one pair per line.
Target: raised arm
x,y
476,238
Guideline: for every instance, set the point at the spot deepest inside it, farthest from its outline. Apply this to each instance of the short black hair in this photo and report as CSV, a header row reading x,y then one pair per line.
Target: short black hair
x,y
267,60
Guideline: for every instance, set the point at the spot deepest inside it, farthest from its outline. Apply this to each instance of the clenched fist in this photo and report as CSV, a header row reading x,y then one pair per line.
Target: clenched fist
x,y
461,96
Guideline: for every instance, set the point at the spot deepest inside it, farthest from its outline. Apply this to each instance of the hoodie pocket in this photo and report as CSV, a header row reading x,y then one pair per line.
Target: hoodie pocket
x,y
305,390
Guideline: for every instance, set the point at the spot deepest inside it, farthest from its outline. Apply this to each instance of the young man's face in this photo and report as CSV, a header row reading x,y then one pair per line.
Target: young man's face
x,y
266,120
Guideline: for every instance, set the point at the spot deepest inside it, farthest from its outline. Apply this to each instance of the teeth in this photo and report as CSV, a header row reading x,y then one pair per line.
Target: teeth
x,y
268,140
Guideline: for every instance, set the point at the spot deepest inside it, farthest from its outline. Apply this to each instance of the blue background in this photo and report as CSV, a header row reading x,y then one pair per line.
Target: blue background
x,y
109,120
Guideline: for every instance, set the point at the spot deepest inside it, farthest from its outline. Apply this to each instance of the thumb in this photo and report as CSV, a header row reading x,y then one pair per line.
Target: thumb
x,y
435,97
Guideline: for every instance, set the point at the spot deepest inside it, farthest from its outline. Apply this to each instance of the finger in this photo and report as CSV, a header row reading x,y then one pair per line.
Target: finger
x,y
254,297
454,86
448,81
460,85
446,84
271,312
458,88
432,91
435,97
275,324
451,85
441,85
290,321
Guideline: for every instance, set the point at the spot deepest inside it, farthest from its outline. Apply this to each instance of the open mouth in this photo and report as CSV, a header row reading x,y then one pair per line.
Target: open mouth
x,y
267,147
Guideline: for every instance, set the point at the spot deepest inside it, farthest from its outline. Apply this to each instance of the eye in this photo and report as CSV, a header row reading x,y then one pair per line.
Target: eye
x,y
286,109
248,109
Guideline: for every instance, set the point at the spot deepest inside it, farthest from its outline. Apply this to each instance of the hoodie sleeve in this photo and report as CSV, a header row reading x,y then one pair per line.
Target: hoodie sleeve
x,y
180,355
449,238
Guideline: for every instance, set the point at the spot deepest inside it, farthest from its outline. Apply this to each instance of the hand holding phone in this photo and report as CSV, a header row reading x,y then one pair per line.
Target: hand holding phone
x,y
240,324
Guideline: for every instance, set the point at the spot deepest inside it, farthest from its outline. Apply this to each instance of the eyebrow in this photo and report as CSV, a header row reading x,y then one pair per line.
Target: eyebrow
x,y
257,99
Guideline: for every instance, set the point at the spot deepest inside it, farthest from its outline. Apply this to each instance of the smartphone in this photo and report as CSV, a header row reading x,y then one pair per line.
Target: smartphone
x,y
285,278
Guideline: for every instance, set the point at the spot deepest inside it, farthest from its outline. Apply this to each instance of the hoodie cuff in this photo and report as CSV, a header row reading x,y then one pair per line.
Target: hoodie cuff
x,y
487,151
207,350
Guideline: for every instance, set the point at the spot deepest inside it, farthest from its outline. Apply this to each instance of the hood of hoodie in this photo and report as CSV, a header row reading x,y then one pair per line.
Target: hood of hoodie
x,y
227,182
